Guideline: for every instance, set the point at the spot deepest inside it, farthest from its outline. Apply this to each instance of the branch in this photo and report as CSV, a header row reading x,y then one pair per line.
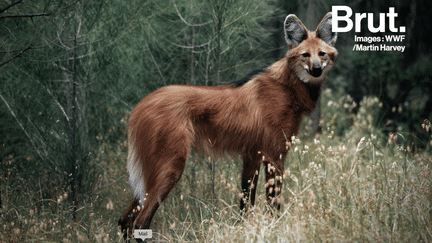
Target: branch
x,y
9,51
24,130
17,55
157,66
79,26
10,5
82,56
184,21
190,47
24,15
113,96
57,102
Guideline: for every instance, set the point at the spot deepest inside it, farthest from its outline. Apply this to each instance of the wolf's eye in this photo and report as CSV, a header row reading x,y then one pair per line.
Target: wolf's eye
x,y
306,54
321,53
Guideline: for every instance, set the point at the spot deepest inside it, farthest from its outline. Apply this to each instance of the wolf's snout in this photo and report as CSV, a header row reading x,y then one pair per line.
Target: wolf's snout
x,y
316,70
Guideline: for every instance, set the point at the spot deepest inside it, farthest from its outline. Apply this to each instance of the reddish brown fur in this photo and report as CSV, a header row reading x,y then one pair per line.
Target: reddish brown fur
x,y
255,120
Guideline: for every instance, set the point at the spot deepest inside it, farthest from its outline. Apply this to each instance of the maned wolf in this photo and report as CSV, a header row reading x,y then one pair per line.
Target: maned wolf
x,y
255,120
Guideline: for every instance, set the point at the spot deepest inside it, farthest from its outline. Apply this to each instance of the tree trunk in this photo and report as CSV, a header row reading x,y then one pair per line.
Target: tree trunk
x,y
312,19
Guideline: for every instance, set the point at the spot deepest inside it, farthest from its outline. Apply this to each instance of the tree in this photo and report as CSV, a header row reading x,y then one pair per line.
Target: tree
x,y
60,133
400,80
12,46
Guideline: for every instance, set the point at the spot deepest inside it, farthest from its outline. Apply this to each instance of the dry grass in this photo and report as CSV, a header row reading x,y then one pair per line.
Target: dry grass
x,y
351,186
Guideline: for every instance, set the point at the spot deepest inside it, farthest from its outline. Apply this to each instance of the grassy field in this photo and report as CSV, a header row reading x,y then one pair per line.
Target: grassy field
x,y
355,182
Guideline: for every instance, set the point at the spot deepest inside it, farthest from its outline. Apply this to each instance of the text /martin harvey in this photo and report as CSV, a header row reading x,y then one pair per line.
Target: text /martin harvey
x,y
380,47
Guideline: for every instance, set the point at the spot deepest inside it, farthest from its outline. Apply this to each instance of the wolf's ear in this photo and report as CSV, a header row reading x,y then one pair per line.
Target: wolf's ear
x,y
295,31
324,30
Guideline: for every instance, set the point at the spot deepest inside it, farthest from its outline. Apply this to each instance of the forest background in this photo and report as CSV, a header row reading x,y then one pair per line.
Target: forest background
x,y
71,71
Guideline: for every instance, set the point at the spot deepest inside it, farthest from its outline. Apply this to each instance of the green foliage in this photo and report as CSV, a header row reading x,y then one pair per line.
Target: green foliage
x,y
93,60
403,92
69,76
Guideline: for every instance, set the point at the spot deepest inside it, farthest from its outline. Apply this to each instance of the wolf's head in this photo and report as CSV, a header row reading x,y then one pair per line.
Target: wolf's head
x,y
311,53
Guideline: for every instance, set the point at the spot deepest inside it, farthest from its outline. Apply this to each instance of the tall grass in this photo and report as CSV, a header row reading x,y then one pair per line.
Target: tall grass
x,y
356,182
362,185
